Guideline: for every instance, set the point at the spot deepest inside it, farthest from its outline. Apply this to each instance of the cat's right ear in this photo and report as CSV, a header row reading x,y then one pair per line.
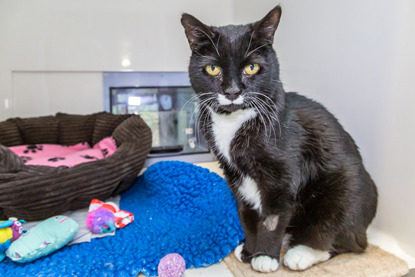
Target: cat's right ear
x,y
266,27
196,32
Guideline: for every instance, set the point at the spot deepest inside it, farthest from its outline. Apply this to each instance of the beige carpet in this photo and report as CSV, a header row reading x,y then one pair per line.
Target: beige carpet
x,y
375,262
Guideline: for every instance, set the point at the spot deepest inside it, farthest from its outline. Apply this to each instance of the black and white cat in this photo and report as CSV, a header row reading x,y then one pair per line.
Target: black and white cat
x,y
294,171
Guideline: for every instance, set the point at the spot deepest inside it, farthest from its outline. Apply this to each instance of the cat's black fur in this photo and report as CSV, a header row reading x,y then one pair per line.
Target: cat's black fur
x,y
307,167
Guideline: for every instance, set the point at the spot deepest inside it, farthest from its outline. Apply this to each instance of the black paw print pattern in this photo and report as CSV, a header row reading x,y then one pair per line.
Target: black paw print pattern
x,y
26,159
89,157
33,148
104,152
56,159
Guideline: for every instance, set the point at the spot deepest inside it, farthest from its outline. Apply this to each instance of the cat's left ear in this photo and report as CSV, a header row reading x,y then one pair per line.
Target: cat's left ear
x,y
264,29
196,32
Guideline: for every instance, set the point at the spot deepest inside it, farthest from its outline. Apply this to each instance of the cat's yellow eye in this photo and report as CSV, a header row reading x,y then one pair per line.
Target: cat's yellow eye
x,y
251,69
213,70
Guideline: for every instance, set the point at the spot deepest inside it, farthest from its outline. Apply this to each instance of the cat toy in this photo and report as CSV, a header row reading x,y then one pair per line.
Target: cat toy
x,y
10,230
171,265
106,217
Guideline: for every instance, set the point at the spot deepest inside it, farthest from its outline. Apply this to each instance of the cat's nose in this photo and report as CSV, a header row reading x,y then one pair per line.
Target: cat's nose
x,y
232,95
233,91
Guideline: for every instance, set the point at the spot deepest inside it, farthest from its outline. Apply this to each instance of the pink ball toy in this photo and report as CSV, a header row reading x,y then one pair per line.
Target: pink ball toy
x,y
171,265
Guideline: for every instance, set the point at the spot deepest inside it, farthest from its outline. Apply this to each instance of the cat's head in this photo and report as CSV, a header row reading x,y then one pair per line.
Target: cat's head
x,y
234,67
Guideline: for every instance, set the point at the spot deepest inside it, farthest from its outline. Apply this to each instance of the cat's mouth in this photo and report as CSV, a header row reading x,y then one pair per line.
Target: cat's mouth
x,y
230,108
230,105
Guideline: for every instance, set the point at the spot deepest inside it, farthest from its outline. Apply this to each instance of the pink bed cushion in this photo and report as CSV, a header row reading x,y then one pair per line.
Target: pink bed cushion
x,y
59,155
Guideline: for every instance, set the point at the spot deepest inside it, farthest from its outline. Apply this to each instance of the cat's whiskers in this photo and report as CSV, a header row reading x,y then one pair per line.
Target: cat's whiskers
x,y
272,108
260,112
217,43
268,116
272,112
249,45
205,104
204,115
191,99
204,101
202,111
259,47
202,107
267,109
277,81
206,121
205,56
195,100
262,94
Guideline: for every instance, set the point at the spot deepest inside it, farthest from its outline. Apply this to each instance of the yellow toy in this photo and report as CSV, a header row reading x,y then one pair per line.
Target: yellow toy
x,y
10,230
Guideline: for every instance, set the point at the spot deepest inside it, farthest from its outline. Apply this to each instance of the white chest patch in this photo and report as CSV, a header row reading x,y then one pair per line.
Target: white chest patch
x,y
225,126
250,193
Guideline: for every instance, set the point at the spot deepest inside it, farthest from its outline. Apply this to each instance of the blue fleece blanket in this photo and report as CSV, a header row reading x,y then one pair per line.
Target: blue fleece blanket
x,y
178,208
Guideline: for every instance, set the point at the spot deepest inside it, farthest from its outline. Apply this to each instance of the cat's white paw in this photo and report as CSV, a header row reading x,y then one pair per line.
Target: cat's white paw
x,y
264,264
302,257
238,251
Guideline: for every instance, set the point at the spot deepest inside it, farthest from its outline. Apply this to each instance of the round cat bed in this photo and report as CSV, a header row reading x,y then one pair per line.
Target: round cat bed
x,y
33,192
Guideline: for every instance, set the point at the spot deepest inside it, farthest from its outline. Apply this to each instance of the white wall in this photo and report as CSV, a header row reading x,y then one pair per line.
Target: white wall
x,y
84,38
397,147
354,56
38,93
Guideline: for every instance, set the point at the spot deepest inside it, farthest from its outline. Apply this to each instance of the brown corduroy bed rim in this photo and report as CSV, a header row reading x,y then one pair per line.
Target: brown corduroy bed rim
x,y
33,192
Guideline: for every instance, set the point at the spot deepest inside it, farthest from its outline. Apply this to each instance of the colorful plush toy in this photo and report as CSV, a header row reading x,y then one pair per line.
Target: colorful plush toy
x,y
105,217
43,239
101,221
10,230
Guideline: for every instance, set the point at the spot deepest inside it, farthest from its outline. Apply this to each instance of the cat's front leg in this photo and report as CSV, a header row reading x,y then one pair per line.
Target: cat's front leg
x,y
249,219
263,238
270,232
